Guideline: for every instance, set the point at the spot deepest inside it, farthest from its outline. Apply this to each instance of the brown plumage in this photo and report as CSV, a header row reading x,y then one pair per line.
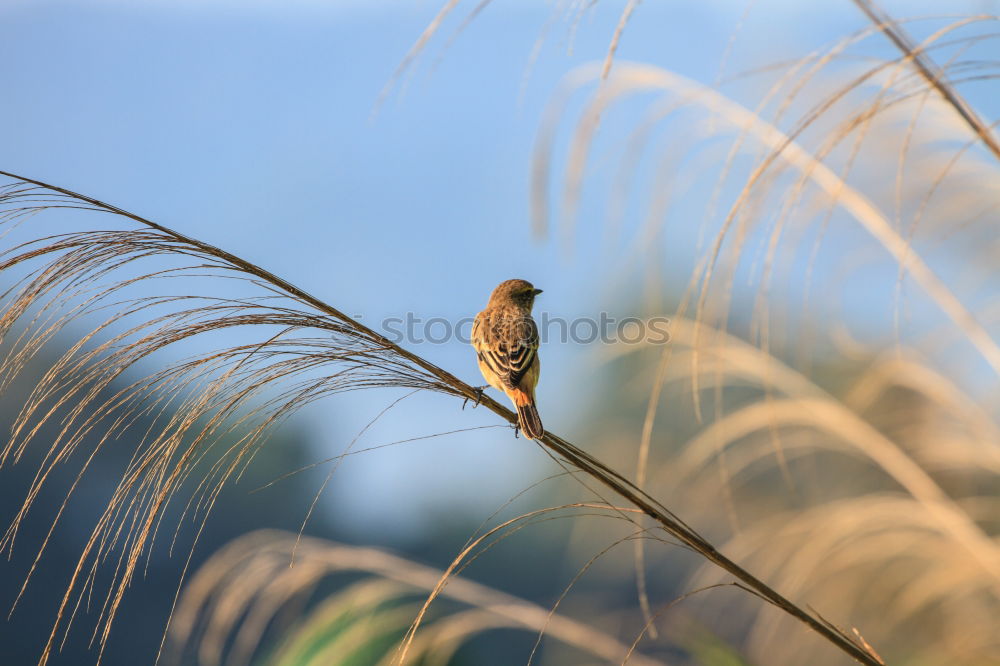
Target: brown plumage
x,y
506,341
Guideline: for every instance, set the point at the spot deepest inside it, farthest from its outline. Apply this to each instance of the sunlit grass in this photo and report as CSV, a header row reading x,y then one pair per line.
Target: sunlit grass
x,y
848,485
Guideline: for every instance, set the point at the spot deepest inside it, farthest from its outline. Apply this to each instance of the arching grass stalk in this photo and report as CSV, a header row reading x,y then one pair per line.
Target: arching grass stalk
x,y
224,381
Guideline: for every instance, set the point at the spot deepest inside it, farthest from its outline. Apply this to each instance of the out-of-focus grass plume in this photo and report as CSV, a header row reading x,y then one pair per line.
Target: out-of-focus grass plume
x,y
248,587
843,439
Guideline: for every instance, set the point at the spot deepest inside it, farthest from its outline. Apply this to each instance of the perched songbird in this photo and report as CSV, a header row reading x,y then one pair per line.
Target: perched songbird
x,y
506,341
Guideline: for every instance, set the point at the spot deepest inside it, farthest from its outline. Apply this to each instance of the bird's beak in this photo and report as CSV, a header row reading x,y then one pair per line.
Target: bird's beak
x,y
538,291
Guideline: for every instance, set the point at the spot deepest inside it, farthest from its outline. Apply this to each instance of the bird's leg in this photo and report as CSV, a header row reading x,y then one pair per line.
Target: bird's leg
x,y
517,430
479,396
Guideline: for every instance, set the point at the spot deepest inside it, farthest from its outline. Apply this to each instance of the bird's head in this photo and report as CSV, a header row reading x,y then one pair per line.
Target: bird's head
x,y
518,292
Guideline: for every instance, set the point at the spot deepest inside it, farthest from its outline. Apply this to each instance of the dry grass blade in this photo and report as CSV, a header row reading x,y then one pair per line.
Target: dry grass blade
x,y
616,37
487,540
246,388
930,72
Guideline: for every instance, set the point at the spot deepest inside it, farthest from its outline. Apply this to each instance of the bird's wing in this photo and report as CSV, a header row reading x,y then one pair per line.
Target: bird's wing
x,y
508,346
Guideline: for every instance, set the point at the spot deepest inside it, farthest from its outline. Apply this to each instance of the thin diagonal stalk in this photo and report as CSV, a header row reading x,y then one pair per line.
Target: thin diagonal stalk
x,y
933,74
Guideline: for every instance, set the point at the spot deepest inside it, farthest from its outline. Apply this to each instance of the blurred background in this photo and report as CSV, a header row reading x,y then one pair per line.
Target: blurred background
x,y
773,170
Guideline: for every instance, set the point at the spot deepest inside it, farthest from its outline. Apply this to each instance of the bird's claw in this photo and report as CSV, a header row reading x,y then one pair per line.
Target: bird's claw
x,y
479,397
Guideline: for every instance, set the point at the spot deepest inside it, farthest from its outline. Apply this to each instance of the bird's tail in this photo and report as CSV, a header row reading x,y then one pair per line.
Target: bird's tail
x,y
531,423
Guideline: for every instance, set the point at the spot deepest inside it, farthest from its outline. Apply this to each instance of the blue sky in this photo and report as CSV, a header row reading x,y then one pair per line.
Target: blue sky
x,y
251,126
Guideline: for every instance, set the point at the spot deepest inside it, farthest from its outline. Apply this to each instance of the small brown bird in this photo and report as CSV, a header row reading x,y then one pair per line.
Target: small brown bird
x,y
506,340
